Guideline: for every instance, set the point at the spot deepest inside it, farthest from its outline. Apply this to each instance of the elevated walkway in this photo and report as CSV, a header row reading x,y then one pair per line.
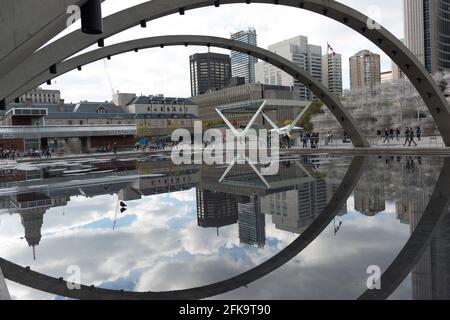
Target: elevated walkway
x,y
39,132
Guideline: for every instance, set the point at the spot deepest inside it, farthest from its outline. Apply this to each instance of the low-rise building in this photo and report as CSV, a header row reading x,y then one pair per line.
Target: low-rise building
x,y
31,125
285,102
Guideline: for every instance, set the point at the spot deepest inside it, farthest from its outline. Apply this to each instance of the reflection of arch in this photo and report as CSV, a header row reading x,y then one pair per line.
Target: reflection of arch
x,y
48,284
419,241
335,106
151,10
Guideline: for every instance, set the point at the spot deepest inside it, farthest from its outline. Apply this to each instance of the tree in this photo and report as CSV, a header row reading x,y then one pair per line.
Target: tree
x,y
288,122
314,109
143,130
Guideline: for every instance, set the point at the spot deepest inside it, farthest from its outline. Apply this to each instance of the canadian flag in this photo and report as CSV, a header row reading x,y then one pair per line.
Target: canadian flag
x,y
330,49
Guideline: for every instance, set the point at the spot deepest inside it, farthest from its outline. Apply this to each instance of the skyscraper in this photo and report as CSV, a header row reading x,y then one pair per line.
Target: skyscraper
x,y
299,51
365,69
243,65
209,72
332,72
252,222
427,32
216,209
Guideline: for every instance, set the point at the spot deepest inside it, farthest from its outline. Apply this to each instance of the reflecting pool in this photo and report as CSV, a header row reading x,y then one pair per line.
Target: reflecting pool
x,y
144,225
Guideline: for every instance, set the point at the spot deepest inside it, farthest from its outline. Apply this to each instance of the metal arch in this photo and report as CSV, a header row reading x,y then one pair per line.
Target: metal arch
x,y
32,279
34,40
151,10
419,241
335,106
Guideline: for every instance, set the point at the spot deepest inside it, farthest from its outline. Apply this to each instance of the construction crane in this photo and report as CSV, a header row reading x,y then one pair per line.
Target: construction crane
x,y
109,76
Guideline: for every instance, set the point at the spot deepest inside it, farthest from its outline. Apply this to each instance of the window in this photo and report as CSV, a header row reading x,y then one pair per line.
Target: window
x,y
102,110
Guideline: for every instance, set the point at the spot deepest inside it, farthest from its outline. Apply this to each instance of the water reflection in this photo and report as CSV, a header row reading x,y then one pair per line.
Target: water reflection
x,y
266,219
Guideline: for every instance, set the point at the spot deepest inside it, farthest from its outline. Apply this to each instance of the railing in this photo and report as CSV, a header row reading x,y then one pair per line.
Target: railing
x,y
376,142
13,132
32,204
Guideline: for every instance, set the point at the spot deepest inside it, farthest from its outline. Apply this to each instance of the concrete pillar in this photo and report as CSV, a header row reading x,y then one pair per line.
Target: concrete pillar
x,y
4,293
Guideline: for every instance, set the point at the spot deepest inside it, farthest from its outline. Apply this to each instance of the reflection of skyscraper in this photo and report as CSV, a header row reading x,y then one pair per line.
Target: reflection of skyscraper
x,y
216,209
252,222
32,207
32,221
369,194
294,210
431,275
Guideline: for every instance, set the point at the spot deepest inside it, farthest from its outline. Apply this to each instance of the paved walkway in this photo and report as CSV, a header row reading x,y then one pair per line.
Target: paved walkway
x,y
428,146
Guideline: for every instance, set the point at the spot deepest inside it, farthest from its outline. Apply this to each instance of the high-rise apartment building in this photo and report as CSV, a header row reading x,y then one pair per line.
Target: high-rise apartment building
x,y
365,69
243,65
332,73
303,54
427,32
209,72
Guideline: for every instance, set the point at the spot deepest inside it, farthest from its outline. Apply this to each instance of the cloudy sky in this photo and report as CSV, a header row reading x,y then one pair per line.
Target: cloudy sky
x,y
166,71
159,236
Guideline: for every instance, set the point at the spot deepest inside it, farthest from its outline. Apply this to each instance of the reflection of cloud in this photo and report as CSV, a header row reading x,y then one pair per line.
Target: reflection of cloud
x,y
152,254
320,272
184,196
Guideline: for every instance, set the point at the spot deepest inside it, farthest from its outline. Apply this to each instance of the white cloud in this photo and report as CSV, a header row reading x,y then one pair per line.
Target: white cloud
x,y
167,70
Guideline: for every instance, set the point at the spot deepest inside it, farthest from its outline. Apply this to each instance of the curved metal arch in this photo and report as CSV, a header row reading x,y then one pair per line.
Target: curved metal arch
x,y
335,106
418,242
26,277
404,58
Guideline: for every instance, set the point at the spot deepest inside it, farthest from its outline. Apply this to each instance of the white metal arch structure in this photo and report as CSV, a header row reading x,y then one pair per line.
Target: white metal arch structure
x,y
151,10
333,103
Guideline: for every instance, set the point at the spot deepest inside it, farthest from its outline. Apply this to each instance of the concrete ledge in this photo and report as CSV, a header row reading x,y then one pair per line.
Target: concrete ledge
x,y
371,151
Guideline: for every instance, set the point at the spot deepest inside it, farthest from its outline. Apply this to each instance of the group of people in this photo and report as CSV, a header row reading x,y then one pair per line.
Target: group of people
x,y
9,153
108,149
285,141
310,138
12,153
391,134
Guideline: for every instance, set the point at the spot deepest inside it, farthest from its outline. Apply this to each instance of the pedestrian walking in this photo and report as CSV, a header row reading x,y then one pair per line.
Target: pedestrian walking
x,y
406,136
397,134
411,137
387,136
418,133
